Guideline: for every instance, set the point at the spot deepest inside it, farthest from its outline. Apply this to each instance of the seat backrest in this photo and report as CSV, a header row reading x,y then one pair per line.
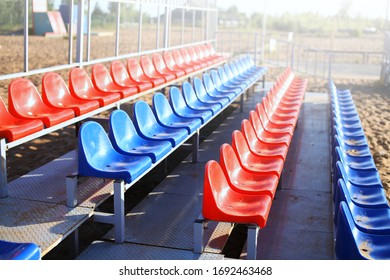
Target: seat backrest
x,y
122,131
94,146
249,132
159,63
240,145
216,188
118,72
199,52
54,89
134,69
256,122
211,49
263,116
144,117
147,66
161,106
23,98
222,75
228,161
345,245
101,78
228,71
186,56
199,87
216,78
169,60
178,57
79,81
189,93
208,83
176,100
191,51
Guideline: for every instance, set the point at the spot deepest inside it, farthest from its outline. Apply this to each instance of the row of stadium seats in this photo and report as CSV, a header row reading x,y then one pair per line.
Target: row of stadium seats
x,y
29,112
361,210
134,146
240,187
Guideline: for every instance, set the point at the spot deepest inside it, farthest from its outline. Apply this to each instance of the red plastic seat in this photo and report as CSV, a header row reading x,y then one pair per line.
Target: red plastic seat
x,y
274,123
173,66
151,72
102,80
13,128
259,147
80,85
137,74
121,77
24,101
253,162
161,67
222,203
195,59
56,94
244,181
265,136
281,109
180,61
211,52
200,53
188,60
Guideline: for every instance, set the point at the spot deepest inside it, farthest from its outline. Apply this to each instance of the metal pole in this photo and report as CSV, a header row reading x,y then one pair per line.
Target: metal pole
x,y
80,33
118,23
140,27
207,20
89,30
166,27
264,26
256,43
26,5
70,32
193,24
182,25
158,27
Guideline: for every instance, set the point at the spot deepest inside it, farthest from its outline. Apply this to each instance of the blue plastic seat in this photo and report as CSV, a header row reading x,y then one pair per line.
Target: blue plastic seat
x,y
220,86
352,146
229,83
356,162
206,98
245,71
125,139
360,196
148,127
358,143
19,251
213,91
358,178
193,101
98,158
166,117
235,71
180,107
354,244
368,219
247,80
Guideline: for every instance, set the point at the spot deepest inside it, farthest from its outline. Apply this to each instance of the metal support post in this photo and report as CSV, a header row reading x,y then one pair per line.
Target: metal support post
x,y
3,175
26,35
253,232
140,19
198,235
195,146
70,32
119,211
242,103
72,182
118,22
80,32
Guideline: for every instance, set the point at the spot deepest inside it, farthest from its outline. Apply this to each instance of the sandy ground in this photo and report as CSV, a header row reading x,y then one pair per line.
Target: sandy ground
x,y
372,101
